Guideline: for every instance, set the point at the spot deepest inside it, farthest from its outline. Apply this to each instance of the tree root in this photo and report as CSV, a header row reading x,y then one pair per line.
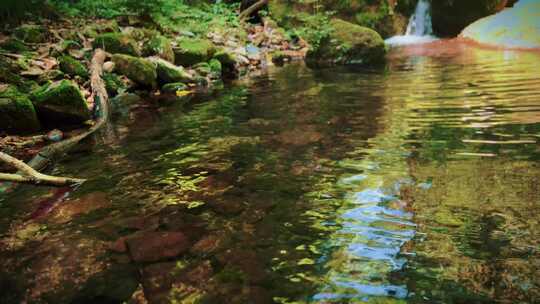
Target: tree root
x,y
28,173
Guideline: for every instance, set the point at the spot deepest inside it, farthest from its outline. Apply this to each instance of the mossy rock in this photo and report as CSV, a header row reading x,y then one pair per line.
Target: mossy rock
x,y
17,113
72,66
110,26
113,84
31,33
169,73
174,87
141,71
348,43
228,62
159,46
215,66
117,43
51,75
203,68
60,103
191,51
14,45
451,17
9,72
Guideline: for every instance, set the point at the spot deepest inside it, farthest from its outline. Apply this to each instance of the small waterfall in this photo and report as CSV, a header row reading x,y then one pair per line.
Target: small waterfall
x,y
419,29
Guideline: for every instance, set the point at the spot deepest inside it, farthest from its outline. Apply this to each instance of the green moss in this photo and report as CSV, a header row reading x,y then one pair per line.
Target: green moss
x,y
203,68
191,51
17,114
113,84
168,73
159,46
117,43
141,71
31,33
60,103
348,44
72,66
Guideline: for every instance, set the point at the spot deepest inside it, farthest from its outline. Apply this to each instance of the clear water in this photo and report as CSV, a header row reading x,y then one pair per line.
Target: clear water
x,y
413,183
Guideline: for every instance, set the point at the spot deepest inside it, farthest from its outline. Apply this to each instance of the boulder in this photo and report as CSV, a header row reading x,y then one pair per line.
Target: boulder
x,y
31,33
159,46
348,44
516,27
17,114
154,246
141,71
72,66
191,51
228,62
168,72
60,103
113,84
451,17
117,43
215,66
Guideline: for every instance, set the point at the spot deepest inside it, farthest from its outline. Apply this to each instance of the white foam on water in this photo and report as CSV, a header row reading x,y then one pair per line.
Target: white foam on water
x,y
419,29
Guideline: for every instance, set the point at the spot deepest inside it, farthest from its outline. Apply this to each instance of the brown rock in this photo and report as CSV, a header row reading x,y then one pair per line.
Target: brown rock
x,y
155,246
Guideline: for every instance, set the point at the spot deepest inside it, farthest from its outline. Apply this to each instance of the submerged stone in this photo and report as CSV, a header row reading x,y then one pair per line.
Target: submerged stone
x,y
61,102
17,113
72,66
117,43
141,71
191,51
155,246
348,44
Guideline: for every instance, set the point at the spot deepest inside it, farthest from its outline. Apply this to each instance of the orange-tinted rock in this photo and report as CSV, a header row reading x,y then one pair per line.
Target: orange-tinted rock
x,y
155,246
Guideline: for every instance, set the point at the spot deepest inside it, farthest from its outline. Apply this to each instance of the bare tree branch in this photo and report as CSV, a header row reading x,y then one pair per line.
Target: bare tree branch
x,y
252,9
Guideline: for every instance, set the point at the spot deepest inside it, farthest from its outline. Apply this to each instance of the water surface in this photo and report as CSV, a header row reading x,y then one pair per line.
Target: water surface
x,y
412,183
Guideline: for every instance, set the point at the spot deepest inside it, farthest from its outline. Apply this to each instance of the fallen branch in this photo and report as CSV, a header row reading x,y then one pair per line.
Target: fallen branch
x,y
252,9
28,173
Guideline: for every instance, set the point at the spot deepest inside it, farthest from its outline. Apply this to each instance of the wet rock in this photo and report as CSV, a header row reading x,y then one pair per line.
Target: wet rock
x,y
117,43
159,46
242,265
228,207
348,44
17,113
191,225
169,73
114,285
60,102
108,67
203,69
191,51
174,87
451,17
155,246
31,33
227,60
517,27
141,71
72,66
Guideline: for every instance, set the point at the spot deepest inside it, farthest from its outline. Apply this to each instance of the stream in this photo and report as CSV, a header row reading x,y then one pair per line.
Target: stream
x,y
417,182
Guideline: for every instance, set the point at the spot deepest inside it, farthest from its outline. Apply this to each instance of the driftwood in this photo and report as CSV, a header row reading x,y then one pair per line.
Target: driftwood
x,y
252,9
28,173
